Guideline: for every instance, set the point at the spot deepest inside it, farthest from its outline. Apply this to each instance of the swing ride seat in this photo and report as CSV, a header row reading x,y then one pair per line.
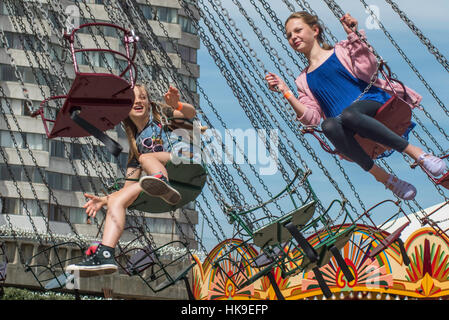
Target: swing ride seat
x,y
385,243
265,259
313,257
47,265
180,275
325,249
100,98
272,235
60,281
164,271
261,261
187,177
140,261
395,114
96,102
276,232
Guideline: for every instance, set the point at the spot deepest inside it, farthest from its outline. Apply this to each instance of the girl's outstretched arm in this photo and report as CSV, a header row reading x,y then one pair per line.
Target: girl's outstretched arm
x,y
181,109
275,83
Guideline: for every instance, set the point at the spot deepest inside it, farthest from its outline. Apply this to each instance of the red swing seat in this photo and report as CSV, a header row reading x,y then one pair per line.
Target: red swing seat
x,y
104,99
96,102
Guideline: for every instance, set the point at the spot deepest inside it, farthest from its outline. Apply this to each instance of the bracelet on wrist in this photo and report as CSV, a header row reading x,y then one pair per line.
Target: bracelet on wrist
x,y
180,106
288,94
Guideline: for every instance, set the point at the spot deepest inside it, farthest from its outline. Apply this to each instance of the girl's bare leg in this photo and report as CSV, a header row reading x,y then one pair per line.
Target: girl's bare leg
x,y
115,216
413,151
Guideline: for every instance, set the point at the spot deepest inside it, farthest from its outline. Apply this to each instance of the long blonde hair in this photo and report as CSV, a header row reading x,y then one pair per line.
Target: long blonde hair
x,y
131,128
312,21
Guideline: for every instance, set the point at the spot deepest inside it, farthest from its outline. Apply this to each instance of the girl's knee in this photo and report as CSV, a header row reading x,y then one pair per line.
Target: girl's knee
x,y
116,201
329,125
161,157
349,116
145,156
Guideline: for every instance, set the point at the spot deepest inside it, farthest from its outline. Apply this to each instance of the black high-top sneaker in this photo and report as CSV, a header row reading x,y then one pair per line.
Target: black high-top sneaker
x,y
100,262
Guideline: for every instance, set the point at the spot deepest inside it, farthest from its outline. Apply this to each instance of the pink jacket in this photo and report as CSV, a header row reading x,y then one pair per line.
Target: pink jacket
x,y
361,63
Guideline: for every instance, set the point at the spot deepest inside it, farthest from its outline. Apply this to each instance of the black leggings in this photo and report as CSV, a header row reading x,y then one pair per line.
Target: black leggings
x,y
359,118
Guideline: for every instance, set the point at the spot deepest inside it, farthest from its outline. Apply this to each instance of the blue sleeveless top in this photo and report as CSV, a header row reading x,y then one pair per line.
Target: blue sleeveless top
x,y
335,88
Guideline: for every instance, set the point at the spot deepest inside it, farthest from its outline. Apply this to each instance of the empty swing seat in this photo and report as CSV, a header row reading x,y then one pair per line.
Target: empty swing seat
x,y
275,232
141,260
96,102
104,99
385,243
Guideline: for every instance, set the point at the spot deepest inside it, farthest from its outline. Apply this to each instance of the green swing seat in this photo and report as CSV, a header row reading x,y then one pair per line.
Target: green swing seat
x,y
186,176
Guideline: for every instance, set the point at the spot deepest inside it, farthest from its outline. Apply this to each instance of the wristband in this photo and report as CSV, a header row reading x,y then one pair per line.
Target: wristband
x,y
180,106
288,94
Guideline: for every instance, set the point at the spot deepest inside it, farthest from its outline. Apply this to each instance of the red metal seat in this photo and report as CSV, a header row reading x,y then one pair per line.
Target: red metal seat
x,y
96,102
104,99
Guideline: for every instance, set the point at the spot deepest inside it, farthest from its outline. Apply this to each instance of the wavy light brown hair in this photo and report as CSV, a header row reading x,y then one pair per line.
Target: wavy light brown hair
x,y
312,21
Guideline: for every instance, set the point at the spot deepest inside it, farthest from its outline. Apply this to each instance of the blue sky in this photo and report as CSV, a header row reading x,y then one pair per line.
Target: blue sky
x,y
431,19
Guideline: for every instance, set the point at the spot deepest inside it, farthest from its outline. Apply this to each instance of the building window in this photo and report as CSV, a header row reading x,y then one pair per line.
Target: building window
x,y
19,173
189,82
187,54
57,149
7,73
24,207
147,11
169,15
187,25
163,14
9,206
57,213
77,215
35,141
168,46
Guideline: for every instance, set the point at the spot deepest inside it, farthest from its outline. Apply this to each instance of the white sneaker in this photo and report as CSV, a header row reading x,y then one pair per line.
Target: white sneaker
x,y
434,165
400,188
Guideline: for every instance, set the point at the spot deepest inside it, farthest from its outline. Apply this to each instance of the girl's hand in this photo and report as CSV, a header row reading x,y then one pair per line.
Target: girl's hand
x,y
172,97
349,23
94,204
275,83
